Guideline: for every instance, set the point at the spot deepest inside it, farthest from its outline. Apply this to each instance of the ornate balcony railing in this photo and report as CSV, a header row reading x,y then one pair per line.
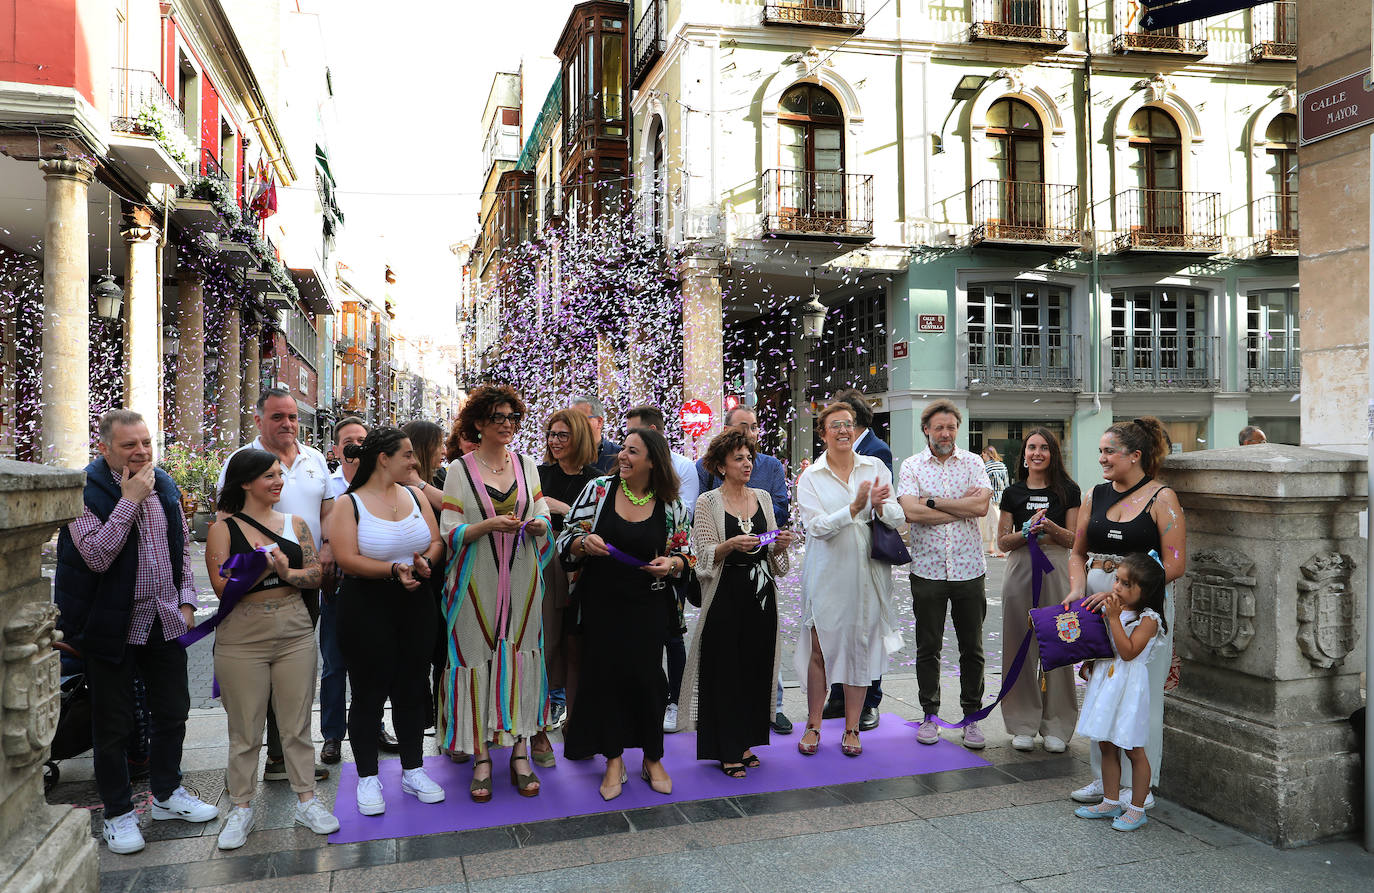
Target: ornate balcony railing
x,y
829,204
846,14
1035,360
1276,223
139,103
648,42
1271,364
1020,21
552,210
1168,220
1180,40
1020,212
1274,32
1165,362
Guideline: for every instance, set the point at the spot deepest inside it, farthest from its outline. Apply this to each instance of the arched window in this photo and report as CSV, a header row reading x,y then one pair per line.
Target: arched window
x,y
1281,145
1159,153
659,181
1019,154
811,153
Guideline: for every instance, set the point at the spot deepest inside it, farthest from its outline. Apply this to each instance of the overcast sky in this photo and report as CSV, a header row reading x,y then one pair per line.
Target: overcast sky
x,y
410,83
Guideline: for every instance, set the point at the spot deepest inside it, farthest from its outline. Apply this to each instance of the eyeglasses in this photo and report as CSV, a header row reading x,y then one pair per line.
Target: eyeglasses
x,y
559,436
841,426
499,418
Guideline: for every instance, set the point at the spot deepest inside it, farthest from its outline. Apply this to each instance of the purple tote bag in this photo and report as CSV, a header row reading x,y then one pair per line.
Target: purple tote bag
x,y
1070,636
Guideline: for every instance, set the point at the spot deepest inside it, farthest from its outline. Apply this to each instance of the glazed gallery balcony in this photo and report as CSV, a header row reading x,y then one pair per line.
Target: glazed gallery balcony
x,y
1169,220
818,204
1038,360
1040,22
847,15
1165,362
1015,212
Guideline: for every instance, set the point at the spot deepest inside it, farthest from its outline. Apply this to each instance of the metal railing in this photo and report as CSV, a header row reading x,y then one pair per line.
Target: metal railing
x,y
1031,21
820,203
591,110
1034,360
1165,362
1189,39
847,14
648,41
210,166
1276,223
1274,31
1168,219
1021,211
551,209
134,90
1271,365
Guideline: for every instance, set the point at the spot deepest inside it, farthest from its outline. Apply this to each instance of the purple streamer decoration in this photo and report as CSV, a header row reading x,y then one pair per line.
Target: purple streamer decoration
x,y
625,557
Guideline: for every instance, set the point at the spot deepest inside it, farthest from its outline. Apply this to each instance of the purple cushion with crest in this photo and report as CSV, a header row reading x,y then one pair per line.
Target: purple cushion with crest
x,y
1069,636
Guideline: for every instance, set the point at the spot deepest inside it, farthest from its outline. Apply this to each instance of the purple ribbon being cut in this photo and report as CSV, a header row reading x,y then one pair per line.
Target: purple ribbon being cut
x,y
1040,565
243,570
625,557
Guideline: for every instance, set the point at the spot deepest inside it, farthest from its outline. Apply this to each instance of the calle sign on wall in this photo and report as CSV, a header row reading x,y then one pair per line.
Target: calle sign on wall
x,y
1335,108
696,417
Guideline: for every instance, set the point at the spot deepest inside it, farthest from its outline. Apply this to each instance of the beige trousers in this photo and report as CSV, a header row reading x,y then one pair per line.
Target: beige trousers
x,y
1027,709
264,648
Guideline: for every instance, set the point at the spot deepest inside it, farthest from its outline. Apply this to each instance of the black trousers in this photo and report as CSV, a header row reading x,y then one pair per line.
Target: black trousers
x,y
873,696
162,665
386,633
968,606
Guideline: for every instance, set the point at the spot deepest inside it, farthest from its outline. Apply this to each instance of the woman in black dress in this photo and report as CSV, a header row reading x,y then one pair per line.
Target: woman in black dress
x,y
728,696
625,606
569,451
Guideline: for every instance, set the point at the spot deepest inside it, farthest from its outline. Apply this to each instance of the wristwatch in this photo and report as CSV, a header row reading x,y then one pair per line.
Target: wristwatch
x,y
930,502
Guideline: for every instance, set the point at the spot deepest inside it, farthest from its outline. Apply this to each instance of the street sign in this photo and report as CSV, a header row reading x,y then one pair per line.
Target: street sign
x,y
899,349
1165,14
731,402
696,417
930,322
1335,108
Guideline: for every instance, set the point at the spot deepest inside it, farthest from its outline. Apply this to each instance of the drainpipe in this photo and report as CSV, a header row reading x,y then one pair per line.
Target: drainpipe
x,y
1369,562
1094,306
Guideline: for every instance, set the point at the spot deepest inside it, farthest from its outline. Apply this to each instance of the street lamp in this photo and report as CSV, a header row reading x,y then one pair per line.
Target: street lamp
x,y
813,314
171,342
109,298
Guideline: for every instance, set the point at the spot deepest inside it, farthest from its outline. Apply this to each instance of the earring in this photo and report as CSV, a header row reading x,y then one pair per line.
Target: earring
x,y
1025,464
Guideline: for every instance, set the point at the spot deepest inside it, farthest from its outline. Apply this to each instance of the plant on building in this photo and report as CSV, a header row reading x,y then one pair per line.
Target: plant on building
x,y
218,192
157,122
281,278
247,234
196,471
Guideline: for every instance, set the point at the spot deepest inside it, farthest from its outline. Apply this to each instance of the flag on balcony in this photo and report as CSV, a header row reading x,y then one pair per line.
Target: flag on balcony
x,y
264,201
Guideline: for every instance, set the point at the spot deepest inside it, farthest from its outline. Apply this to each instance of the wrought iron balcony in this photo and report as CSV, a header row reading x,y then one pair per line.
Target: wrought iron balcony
x,y
1168,220
844,14
552,210
1272,363
1035,360
1165,362
649,41
1179,40
139,101
1274,32
818,204
1020,21
1285,378
1276,224
1015,212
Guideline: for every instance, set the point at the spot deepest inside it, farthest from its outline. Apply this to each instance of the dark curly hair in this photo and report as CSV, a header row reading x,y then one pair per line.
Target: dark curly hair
x,y
723,446
244,467
1146,436
379,441
481,403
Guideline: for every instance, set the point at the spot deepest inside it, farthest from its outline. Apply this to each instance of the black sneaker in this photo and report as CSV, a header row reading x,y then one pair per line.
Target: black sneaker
x,y
275,770
781,724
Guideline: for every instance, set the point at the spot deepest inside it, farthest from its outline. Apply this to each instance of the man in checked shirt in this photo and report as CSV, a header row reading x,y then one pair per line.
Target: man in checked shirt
x,y
126,591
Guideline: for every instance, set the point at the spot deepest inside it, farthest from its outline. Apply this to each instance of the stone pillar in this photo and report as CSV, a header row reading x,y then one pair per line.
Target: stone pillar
x,y
142,336
249,364
703,360
1267,620
231,381
66,315
42,847
190,370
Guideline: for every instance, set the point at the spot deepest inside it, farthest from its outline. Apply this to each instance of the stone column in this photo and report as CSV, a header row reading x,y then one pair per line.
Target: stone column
x,y
703,360
190,370
42,847
1267,620
249,364
231,380
142,337
66,315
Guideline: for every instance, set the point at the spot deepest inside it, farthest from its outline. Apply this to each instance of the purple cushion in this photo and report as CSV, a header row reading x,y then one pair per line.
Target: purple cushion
x,y
1067,637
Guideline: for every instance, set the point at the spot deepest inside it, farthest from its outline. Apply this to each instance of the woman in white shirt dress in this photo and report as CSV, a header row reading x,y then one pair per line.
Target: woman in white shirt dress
x,y
849,624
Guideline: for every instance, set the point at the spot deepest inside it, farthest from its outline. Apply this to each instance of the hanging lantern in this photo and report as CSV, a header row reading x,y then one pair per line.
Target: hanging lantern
x,y
171,342
813,317
109,298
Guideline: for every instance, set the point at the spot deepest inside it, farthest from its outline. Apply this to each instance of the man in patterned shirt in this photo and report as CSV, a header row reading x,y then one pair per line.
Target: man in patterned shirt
x,y
126,591
943,491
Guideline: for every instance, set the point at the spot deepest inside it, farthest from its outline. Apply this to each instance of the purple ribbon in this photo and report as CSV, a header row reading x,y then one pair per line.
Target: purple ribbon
x,y
243,570
625,557
1040,565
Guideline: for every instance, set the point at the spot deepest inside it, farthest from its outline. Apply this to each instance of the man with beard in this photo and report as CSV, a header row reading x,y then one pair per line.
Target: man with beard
x,y
943,491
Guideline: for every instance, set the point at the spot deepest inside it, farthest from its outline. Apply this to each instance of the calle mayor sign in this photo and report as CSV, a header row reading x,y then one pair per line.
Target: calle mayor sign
x,y
1335,108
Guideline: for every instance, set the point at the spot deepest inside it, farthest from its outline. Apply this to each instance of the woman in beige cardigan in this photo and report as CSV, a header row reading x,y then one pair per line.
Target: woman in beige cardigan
x,y
727,692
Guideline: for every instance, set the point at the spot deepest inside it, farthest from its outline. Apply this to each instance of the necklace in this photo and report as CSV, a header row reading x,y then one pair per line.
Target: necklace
x,y
746,522
504,462
395,504
625,488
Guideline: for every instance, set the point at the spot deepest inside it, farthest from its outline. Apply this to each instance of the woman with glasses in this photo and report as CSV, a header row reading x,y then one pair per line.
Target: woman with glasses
x,y
849,625
570,451
495,522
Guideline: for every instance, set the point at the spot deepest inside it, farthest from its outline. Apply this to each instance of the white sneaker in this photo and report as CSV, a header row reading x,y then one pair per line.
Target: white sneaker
x,y
182,805
1126,798
313,815
670,718
1023,742
1055,745
234,834
1089,793
122,835
417,782
370,800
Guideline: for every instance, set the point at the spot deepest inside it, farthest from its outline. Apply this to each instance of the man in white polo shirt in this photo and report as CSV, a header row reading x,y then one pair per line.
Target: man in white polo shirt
x,y
306,493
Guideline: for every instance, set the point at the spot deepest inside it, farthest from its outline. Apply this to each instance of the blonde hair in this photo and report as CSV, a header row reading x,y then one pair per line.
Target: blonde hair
x,y
991,450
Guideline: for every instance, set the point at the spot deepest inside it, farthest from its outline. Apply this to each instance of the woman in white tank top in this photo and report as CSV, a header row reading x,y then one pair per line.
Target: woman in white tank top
x,y
385,541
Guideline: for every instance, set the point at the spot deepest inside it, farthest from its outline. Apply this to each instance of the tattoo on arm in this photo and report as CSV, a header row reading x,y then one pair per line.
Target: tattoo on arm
x,y
309,576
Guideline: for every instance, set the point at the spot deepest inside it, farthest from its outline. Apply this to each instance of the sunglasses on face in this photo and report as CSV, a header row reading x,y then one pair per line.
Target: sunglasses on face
x,y
500,418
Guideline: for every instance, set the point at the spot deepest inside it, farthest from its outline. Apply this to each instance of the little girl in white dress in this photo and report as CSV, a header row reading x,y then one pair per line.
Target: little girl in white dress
x,y
1116,708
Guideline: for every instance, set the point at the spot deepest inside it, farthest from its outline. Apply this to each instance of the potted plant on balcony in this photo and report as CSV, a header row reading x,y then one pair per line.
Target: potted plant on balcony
x,y
195,472
218,192
156,122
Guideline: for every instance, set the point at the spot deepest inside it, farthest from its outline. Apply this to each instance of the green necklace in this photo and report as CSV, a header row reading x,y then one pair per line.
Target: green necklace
x,y
625,488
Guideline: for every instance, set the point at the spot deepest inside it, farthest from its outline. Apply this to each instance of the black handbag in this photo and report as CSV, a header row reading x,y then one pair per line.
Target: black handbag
x,y
688,588
888,546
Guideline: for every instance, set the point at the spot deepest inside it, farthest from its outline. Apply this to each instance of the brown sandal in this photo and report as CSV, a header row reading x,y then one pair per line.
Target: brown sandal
x,y
480,788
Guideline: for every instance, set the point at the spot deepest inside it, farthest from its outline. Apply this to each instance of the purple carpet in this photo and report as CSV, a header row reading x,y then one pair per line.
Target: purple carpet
x,y
570,788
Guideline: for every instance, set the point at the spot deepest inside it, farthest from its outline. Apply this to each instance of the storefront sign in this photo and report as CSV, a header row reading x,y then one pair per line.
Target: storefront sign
x,y
931,322
899,350
696,418
1335,108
